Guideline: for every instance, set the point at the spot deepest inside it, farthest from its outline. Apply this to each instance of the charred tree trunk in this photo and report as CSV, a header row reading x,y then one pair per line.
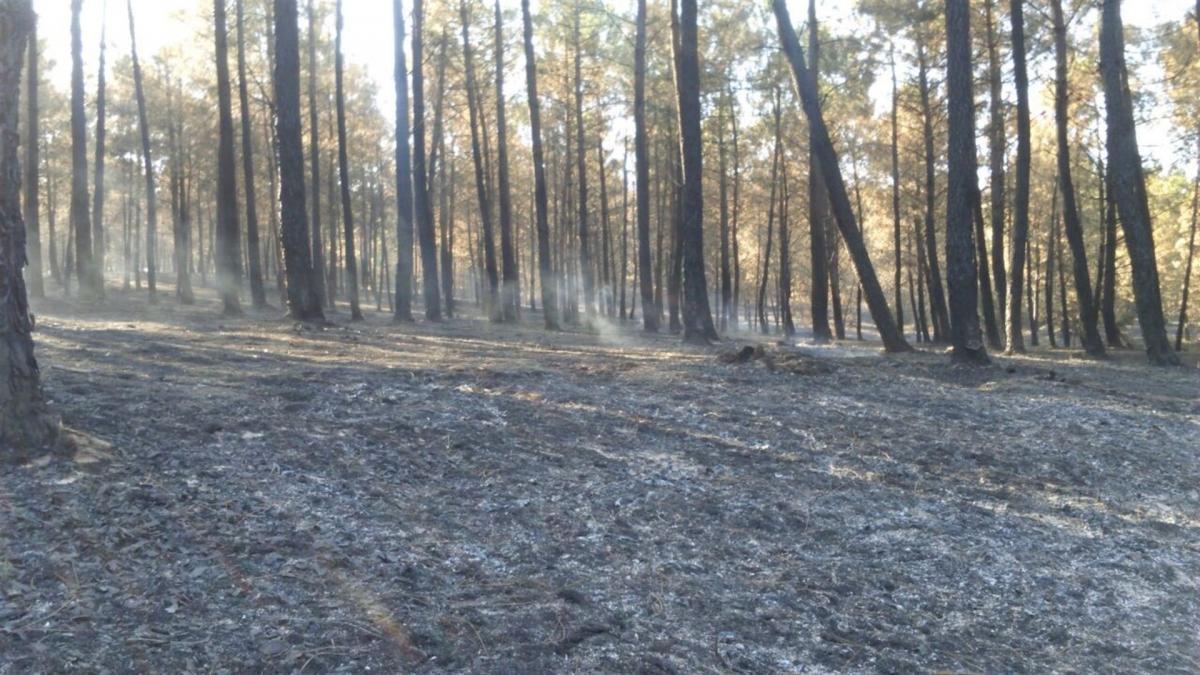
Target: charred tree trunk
x,y
785,255
510,296
303,281
402,308
344,173
937,296
314,159
1020,227
421,201
818,208
585,253
37,284
147,167
258,293
1187,268
650,311
26,424
229,256
81,225
1074,228
996,150
99,244
1125,165
896,193
485,207
697,316
893,340
961,270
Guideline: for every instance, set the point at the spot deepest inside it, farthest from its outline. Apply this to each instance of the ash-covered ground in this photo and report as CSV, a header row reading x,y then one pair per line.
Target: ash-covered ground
x,y
467,497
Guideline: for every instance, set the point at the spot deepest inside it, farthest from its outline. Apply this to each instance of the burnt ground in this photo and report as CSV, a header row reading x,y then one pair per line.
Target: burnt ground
x,y
466,497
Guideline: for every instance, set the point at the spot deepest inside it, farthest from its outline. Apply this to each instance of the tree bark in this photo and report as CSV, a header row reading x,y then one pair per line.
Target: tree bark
x,y
1074,228
896,193
1191,254
997,149
893,340
421,201
344,172
26,424
1020,227
1129,181
258,293
305,300
585,253
314,159
510,297
650,311
147,167
961,272
485,207
37,284
697,317
229,257
818,209
937,296
80,219
99,244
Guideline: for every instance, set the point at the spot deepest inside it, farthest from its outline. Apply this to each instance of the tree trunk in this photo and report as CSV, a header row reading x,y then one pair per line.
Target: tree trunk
x,y
893,340
726,280
80,221
510,297
314,159
984,275
344,172
1191,254
99,243
996,148
650,311
961,270
421,201
1020,226
229,256
147,166
1074,228
937,296
1051,261
303,281
697,317
761,309
896,192
37,285
258,293
785,255
585,253
818,211
26,425
1129,181
481,188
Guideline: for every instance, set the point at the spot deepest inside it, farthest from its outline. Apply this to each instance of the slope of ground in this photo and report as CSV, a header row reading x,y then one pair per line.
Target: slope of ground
x,y
467,497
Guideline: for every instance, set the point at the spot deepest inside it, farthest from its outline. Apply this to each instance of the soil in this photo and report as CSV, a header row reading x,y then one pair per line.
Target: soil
x,y
471,497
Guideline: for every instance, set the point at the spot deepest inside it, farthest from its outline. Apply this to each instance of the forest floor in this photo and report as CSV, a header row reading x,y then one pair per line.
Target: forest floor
x,y
471,497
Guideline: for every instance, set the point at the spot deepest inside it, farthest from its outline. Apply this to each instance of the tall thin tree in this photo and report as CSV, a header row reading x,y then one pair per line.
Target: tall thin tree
x,y
228,232
961,270
304,298
697,317
421,202
1020,225
1129,182
80,218
344,170
893,339
258,293
99,245
509,291
641,151
37,284
1066,185
147,165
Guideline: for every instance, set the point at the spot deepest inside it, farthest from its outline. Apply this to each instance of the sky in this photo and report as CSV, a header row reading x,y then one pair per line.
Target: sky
x,y
368,38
